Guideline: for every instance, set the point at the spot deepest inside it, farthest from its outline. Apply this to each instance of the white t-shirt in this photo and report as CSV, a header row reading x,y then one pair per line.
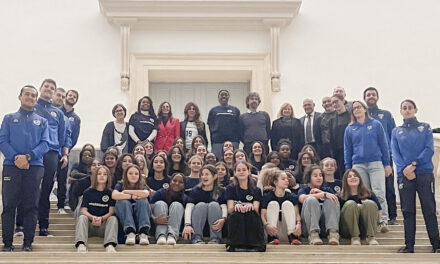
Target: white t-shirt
x,y
190,133
118,136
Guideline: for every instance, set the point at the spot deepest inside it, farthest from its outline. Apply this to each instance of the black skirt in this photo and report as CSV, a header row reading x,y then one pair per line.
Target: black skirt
x,y
246,232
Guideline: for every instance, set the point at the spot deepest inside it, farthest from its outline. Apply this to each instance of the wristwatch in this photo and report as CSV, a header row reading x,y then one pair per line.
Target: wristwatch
x,y
414,163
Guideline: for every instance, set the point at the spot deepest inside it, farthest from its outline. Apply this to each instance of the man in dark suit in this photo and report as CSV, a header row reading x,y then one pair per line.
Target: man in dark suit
x,y
311,122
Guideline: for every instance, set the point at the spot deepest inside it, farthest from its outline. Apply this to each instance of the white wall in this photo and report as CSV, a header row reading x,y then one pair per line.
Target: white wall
x,y
393,45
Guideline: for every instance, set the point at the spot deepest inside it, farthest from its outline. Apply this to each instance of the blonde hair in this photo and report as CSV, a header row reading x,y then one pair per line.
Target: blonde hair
x,y
328,159
144,171
280,112
94,178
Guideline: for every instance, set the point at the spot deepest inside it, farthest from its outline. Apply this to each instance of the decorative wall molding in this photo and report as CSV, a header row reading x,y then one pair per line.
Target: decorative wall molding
x,y
152,67
201,15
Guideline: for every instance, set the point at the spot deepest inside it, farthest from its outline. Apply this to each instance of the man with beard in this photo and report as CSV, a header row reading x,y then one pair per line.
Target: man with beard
x,y
223,122
371,96
333,132
254,124
340,90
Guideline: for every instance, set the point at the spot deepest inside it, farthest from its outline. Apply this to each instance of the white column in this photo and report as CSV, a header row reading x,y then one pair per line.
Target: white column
x,y
274,58
125,61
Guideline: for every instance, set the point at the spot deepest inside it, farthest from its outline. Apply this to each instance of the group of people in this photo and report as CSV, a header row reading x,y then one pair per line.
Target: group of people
x,y
325,175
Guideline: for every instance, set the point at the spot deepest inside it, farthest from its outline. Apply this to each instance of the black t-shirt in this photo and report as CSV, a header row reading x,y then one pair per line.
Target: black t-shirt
x,y
143,124
359,201
97,202
198,195
119,187
336,186
157,184
305,189
190,183
287,164
161,195
235,193
270,196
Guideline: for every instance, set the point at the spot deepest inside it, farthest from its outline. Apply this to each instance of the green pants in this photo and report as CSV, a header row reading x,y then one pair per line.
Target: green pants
x,y
359,220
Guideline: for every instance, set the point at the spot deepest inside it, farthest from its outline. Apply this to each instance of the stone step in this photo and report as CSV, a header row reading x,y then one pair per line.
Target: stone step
x,y
383,240
223,257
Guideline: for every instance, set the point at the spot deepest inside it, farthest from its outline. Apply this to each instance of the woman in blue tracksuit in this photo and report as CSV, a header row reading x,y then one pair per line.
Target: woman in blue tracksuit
x,y
412,147
366,150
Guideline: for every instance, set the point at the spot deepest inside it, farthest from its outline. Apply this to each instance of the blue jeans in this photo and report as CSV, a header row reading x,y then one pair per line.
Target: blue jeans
x,y
373,176
132,215
202,212
174,212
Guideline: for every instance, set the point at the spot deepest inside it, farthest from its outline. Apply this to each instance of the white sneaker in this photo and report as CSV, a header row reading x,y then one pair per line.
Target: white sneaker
x,y
162,240
67,207
110,249
62,211
143,239
171,240
81,248
130,240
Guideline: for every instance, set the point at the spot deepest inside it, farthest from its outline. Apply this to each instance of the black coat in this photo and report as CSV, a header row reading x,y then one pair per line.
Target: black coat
x,y
288,128
108,136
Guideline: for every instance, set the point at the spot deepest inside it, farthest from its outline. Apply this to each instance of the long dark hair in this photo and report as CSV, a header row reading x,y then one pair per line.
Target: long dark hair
x,y
197,121
182,164
151,170
263,152
315,158
227,177
251,182
362,191
309,171
139,185
160,114
301,169
216,189
151,110
84,167
118,170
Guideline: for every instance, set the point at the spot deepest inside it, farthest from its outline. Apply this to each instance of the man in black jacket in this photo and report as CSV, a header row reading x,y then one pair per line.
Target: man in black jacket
x,y
311,122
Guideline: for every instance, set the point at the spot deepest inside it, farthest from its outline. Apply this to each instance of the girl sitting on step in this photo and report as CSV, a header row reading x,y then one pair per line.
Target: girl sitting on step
x,y
360,210
97,213
206,202
168,210
279,210
132,207
245,229
320,208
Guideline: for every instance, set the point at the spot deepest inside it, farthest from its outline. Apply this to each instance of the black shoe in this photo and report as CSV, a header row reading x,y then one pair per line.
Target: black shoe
x,y
405,250
8,248
27,248
44,232
392,221
435,250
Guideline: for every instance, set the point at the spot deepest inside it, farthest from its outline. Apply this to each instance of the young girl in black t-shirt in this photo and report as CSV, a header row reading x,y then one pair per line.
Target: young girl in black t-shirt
x,y
279,210
195,164
132,207
245,229
206,202
97,213
157,177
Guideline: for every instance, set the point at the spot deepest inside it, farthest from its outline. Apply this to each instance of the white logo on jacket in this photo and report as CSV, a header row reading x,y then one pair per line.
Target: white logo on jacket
x,y
369,127
53,114
71,119
229,111
421,128
15,120
249,197
380,116
166,186
37,122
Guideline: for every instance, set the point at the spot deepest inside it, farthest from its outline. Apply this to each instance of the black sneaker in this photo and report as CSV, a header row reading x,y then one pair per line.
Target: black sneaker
x,y
44,232
27,248
8,248
405,250
436,250
392,221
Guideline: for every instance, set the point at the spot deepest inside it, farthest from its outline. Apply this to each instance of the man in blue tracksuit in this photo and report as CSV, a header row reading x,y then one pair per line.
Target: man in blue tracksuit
x,y
24,138
371,96
58,100
57,134
412,147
